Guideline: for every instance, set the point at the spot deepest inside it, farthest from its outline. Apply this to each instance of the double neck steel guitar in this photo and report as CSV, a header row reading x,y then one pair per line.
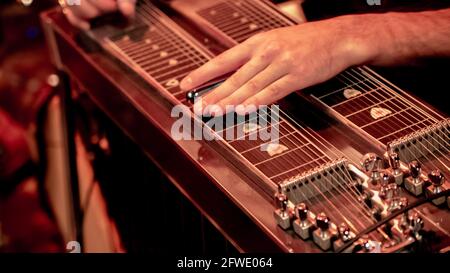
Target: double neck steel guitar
x,y
346,181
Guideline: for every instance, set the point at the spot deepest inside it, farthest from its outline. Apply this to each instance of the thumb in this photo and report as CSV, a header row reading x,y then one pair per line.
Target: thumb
x,y
127,7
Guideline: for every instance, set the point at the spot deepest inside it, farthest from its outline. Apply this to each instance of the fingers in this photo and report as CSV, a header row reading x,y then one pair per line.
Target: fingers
x,y
226,62
127,7
234,82
273,92
254,86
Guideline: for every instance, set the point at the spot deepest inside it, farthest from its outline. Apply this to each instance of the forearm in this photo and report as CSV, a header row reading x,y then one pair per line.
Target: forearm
x,y
392,38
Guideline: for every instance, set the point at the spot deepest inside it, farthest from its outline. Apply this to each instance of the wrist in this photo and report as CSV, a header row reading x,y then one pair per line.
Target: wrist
x,y
361,38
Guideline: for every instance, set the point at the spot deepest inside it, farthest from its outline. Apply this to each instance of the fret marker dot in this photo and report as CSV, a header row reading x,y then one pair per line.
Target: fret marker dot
x,y
235,14
172,83
244,20
148,41
163,54
152,28
173,62
379,112
253,26
126,38
351,93
155,47
273,148
213,12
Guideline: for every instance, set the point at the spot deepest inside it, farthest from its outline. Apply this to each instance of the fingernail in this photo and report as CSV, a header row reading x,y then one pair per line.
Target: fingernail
x,y
186,83
240,110
198,108
215,110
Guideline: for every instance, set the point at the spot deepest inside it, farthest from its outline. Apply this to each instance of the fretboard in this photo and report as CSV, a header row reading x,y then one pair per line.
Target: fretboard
x,y
242,19
370,103
293,152
159,50
364,100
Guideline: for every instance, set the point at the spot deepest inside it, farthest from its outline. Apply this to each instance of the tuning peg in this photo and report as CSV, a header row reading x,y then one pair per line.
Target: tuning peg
x,y
281,213
372,164
394,163
414,183
385,181
323,235
281,201
414,169
437,180
302,226
323,222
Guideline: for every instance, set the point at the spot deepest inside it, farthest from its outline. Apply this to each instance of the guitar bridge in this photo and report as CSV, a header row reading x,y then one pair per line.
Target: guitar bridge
x,y
302,187
423,142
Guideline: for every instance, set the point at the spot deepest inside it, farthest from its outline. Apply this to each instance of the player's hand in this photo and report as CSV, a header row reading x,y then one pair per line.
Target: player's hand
x,y
273,64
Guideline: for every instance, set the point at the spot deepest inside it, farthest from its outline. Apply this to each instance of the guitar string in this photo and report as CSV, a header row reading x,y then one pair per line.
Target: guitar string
x,y
322,144
399,97
326,144
438,149
327,199
423,154
404,99
356,192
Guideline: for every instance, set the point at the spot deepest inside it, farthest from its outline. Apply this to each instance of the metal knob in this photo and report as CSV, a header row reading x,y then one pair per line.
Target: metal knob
x,y
414,169
323,222
372,162
436,178
403,202
281,201
394,161
344,232
416,223
301,211
385,179
385,182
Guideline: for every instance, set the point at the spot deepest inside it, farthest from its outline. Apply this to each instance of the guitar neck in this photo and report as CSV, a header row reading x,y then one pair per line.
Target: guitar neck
x,y
357,96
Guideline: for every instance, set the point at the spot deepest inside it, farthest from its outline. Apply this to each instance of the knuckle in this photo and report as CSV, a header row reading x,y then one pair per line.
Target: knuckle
x,y
273,90
252,86
287,58
270,50
234,81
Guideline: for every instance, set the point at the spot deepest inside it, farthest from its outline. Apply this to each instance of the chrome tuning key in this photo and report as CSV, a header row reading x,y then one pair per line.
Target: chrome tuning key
x,y
282,214
414,184
416,225
394,163
372,164
393,198
323,235
303,224
345,235
437,180
385,181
